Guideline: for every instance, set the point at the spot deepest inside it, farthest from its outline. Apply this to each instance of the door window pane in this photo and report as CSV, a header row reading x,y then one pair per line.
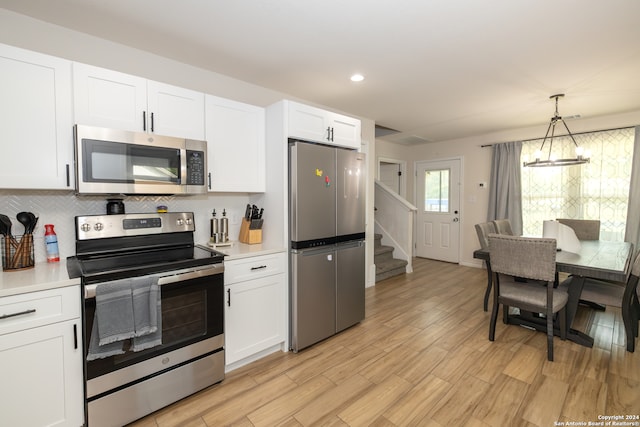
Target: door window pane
x,y
436,191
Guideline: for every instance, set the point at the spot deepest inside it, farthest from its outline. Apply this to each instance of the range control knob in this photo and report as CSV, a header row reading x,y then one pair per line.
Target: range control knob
x,y
180,222
98,227
188,221
85,227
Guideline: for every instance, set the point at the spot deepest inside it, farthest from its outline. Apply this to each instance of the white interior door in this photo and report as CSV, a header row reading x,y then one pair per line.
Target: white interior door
x,y
438,217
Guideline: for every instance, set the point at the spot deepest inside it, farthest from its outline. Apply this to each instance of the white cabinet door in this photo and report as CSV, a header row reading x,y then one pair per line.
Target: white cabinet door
x,y
110,99
308,123
42,381
254,316
175,111
235,135
36,124
345,131
314,124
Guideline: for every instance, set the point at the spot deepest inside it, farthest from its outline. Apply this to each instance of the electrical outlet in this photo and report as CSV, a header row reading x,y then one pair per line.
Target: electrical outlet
x,y
234,219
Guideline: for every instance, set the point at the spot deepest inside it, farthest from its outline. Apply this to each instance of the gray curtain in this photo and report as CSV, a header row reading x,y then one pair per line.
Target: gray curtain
x,y
632,232
505,189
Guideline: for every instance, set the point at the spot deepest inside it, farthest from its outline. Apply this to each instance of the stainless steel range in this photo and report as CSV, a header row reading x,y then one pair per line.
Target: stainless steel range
x,y
188,354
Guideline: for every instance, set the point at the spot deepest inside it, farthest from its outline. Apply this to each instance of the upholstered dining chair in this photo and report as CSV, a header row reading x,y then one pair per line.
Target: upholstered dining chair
x,y
483,230
503,226
620,295
585,229
530,258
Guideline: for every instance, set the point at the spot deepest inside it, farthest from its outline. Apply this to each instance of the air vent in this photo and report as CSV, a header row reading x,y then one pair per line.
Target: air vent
x,y
411,140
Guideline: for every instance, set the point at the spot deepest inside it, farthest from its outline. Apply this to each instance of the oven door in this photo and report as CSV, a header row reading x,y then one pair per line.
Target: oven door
x,y
192,328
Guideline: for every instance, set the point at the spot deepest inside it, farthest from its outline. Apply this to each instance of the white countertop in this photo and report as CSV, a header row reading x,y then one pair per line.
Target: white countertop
x,y
45,275
41,277
242,250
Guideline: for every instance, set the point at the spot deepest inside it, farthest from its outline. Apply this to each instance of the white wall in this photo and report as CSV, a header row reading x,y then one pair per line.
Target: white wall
x,y
477,165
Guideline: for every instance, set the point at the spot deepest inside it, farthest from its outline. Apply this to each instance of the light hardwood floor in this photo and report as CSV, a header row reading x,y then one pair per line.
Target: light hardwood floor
x,y
422,358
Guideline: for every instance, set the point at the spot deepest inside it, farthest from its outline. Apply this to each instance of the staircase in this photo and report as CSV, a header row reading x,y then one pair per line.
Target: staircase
x,y
386,265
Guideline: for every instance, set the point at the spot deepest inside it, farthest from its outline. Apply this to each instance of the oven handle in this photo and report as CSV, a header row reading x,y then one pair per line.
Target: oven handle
x,y
179,276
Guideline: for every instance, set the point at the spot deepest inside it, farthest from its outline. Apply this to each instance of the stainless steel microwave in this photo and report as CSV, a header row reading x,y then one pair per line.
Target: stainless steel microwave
x,y
112,161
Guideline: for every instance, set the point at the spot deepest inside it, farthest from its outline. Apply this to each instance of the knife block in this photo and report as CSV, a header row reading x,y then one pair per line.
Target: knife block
x,y
249,235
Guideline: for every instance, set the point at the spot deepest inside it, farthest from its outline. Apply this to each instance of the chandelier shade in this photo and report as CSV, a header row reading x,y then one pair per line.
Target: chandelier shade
x,y
581,156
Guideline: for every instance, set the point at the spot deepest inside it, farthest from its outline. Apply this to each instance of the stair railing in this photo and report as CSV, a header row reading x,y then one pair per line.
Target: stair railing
x,y
394,218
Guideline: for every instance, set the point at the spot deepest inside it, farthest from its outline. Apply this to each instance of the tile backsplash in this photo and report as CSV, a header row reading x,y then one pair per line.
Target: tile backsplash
x,y
61,207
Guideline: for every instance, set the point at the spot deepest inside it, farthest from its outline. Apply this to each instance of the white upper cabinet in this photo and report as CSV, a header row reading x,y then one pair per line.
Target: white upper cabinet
x,y
345,131
111,99
175,111
36,130
235,135
314,124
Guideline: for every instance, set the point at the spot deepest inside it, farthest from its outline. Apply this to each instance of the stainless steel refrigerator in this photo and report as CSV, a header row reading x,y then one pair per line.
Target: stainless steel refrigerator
x,y
327,230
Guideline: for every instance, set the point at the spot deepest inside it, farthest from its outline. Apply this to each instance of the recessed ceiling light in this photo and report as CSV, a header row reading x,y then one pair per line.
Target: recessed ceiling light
x,y
357,78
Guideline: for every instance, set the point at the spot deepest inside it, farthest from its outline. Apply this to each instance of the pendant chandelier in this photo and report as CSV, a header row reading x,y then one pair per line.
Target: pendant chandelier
x,y
581,156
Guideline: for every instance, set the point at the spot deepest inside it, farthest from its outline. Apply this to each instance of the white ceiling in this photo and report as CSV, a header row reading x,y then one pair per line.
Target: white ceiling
x,y
434,69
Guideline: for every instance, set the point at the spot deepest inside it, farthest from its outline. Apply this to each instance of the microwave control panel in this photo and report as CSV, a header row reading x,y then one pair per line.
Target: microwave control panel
x,y
195,167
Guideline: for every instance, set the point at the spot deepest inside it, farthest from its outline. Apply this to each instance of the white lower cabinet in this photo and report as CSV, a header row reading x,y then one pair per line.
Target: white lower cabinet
x,y
255,307
41,359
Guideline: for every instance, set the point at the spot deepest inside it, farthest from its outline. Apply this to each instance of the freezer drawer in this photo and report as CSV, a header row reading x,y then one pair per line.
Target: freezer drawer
x,y
313,296
350,273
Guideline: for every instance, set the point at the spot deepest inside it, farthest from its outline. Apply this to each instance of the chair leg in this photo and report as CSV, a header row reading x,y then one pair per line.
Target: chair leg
x,y
635,305
492,323
550,336
505,314
630,313
627,318
489,283
562,316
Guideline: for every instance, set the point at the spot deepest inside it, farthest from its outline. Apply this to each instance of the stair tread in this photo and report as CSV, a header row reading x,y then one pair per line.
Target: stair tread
x,y
390,273
382,249
391,264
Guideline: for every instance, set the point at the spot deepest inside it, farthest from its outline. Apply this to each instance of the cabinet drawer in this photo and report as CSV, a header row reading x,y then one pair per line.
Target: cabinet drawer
x,y
30,310
253,268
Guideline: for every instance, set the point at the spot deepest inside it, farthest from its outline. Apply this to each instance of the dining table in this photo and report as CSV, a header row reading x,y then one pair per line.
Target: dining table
x,y
597,259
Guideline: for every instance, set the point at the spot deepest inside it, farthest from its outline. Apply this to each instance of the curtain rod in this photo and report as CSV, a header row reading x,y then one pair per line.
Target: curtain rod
x,y
560,136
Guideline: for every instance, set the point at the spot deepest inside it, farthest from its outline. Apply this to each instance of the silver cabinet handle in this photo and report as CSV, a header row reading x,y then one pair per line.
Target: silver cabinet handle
x,y
20,313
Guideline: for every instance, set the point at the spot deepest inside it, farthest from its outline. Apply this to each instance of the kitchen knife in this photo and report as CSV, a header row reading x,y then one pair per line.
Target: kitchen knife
x,y
247,213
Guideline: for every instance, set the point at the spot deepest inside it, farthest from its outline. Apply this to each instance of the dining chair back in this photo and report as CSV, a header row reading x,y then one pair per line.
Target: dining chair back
x,y
515,258
483,230
503,226
585,229
616,294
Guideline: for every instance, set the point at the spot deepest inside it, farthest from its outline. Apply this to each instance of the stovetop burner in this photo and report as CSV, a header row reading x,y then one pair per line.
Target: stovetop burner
x,y
110,247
